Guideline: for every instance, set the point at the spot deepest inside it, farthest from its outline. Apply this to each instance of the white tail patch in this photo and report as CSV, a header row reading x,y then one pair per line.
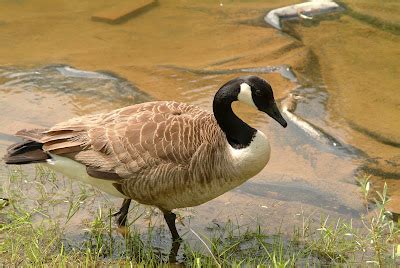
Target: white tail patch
x,y
245,95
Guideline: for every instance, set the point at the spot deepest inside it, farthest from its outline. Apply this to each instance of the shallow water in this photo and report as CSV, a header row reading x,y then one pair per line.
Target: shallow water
x,y
341,88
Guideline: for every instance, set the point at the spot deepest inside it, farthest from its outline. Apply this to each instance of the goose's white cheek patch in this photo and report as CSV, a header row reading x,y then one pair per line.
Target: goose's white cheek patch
x,y
245,95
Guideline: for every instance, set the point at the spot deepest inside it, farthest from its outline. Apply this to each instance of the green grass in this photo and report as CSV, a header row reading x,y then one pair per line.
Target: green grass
x,y
35,231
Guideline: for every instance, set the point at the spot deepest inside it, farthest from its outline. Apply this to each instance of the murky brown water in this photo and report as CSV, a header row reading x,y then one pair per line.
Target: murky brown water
x,y
346,89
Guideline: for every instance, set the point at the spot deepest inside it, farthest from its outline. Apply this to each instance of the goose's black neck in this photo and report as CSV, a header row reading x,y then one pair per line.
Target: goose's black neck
x,y
238,133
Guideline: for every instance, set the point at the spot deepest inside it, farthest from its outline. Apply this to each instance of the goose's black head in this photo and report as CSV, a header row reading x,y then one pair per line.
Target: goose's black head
x,y
255,92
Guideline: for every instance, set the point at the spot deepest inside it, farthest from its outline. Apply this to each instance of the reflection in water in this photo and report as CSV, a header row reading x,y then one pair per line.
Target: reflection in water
x,y
175,245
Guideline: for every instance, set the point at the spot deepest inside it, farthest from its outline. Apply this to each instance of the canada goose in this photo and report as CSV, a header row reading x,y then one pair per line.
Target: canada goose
x,y
164,153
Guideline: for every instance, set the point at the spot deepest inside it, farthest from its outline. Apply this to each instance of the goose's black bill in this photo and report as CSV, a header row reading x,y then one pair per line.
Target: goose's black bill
x,y
273,111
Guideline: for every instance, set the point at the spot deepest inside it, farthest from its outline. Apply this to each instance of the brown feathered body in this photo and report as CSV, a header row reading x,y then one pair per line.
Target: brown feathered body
x,y
166,154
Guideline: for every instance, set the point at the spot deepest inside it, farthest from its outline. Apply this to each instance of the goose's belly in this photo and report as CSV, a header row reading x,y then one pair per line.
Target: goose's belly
x,y
200,194
196,193
241,165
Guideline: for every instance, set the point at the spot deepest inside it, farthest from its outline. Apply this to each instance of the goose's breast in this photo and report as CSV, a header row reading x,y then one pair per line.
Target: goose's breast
x,y
252,159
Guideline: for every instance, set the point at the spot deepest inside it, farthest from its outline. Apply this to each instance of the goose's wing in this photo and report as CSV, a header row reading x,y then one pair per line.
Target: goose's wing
x,y
126,142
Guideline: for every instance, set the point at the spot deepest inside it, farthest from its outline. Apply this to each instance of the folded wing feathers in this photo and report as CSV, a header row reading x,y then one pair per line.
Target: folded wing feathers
x,y
133,141
99,140
60,135
60,144
95,159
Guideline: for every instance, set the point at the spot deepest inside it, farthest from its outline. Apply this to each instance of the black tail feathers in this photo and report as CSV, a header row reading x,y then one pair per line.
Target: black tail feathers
x,y
25,152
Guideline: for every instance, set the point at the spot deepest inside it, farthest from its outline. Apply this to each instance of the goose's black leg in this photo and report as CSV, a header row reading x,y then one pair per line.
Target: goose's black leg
x,y
176,239
123,212
170,219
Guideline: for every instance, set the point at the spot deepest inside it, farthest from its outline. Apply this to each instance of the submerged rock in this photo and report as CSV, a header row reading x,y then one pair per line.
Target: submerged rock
x,y
303,10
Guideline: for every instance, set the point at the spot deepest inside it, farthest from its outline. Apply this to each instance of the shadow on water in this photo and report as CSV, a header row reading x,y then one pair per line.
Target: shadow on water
x,y
299,191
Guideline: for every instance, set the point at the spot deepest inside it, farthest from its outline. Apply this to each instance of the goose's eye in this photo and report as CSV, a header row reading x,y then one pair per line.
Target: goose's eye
x,y
258,92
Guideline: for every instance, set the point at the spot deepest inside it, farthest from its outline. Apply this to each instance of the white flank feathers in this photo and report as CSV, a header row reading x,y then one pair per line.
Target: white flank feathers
x,y
77,171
